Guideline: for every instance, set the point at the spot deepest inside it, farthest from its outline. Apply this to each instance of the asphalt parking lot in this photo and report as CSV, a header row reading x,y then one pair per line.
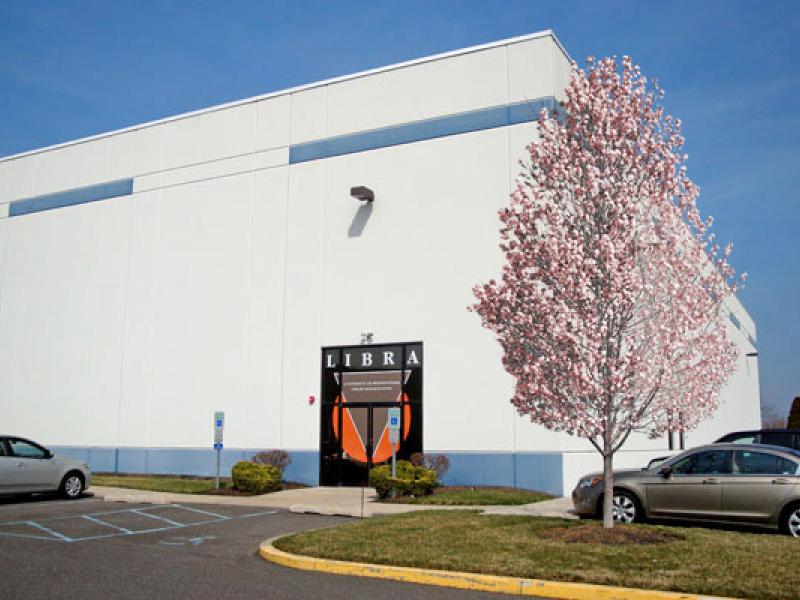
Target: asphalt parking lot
x,y
95,549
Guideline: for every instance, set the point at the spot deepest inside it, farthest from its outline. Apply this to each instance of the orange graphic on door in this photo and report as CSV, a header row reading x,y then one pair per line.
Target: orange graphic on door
x,y
355,429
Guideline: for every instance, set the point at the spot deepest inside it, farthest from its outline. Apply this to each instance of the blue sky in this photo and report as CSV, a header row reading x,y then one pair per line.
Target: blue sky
x,y
731,71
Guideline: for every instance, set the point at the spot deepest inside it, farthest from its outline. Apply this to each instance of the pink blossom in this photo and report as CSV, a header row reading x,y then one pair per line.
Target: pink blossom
x,y
610,305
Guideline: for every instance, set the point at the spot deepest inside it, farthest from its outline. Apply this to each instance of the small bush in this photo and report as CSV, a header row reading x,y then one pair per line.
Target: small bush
x,y
255,478
274,458
438,463
410,481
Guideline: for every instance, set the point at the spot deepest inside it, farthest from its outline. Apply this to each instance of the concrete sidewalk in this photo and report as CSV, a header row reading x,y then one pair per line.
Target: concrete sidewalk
x,y
343,501
557,507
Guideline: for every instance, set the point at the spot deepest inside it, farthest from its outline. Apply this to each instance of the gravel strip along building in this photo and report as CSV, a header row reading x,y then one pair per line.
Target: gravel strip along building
x,y
302,260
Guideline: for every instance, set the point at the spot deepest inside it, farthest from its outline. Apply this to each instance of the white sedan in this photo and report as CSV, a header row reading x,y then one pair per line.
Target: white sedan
x,y
26,467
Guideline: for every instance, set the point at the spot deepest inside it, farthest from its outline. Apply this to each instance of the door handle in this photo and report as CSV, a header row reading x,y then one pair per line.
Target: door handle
x,y
781,481
711,481
20,464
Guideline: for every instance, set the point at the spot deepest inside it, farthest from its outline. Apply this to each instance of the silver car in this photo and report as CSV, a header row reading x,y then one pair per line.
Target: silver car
x,y
755,484
27,467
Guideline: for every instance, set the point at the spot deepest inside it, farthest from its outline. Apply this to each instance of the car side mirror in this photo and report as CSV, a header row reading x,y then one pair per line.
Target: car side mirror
x,y
665,472
50,454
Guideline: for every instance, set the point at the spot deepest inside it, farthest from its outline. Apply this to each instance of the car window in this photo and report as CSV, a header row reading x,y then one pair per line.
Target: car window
x,y
2,447
748,438
707,462
761,463
777,438
25,449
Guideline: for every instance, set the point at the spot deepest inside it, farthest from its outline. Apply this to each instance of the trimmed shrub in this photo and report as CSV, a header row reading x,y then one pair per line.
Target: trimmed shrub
x,y
438,463
793,422
274,458
255,478
410,481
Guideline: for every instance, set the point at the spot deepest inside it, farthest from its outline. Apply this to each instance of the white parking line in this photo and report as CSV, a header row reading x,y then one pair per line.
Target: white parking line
x,y
146,514
96,520
60,536
30,537
122,531
46,503
202,512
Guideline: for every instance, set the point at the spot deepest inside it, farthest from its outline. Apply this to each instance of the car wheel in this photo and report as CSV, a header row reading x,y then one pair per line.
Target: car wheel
x,y
791,521
71,485
626,508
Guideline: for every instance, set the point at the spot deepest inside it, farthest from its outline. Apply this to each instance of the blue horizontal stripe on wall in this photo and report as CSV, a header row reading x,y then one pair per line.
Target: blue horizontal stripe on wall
x,y
92,193
184,461
406,133
541,471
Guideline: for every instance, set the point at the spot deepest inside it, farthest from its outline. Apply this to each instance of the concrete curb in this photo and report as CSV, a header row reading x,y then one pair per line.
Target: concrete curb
x,y
469,581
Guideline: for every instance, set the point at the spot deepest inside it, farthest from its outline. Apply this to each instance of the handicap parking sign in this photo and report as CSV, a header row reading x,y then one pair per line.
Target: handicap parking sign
x,y
394,418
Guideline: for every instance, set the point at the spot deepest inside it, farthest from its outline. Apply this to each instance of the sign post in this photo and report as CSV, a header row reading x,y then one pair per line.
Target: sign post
x,y
393,424
219,426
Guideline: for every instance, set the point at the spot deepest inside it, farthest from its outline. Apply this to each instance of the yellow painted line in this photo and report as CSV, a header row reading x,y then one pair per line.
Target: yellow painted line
x,y
470,581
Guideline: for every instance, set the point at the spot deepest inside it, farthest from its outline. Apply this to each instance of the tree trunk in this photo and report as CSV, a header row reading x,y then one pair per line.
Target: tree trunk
x,y
608,491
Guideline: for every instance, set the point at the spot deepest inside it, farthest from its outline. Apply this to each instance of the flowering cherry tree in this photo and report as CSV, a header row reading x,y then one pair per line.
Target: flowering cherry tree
x,y
610,306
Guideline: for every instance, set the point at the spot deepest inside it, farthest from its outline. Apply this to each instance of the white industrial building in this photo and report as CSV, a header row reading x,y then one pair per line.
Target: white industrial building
x,y
217,260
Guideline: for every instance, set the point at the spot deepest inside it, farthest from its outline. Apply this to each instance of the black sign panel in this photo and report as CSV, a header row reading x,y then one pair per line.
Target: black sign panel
x,y
368,358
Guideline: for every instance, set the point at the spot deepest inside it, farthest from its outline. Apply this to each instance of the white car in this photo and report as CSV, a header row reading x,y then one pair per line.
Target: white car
x,y
26,467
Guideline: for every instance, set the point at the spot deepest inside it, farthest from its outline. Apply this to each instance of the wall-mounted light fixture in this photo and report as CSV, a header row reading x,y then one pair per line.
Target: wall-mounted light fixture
x,y
366,338
363,193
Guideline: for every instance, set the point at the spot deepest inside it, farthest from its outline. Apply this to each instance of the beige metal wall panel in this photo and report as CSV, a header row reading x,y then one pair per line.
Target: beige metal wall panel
x,y
195,349
16,178
530,69
219,134
262,325
303,299
309,120
422,91
272,122
61,322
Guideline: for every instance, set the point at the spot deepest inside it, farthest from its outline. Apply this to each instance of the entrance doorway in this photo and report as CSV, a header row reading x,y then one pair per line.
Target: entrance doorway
x,y
359,385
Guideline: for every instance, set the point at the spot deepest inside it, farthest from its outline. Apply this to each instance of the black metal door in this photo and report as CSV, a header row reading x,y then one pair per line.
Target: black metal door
x,y
359,385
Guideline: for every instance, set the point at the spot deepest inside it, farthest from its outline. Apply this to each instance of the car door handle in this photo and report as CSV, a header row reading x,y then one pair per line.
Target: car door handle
x,y
781,481
711,481
21,464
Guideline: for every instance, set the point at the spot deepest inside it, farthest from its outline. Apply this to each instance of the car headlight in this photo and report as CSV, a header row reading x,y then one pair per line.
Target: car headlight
x,y
588,482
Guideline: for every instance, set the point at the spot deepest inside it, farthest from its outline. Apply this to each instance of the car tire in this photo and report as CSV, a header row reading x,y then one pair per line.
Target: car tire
x,y
71,486
626,506
790,520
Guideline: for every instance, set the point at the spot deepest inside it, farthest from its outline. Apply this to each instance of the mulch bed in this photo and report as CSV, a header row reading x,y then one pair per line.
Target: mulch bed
x,y
442,489
286,485
619,534
229,492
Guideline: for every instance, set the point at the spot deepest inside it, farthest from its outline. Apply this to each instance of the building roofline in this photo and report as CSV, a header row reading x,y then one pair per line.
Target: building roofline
x,y
292,90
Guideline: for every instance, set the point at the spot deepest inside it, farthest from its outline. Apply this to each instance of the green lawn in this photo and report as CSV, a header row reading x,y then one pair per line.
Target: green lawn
x,y
695,560
484,496
180,485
